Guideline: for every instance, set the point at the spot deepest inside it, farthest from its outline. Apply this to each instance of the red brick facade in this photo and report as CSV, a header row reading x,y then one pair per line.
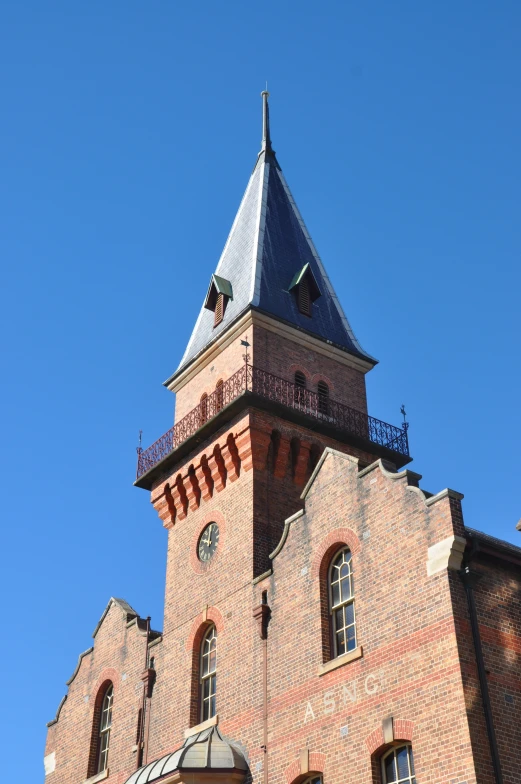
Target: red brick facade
x,y
436,663
416,660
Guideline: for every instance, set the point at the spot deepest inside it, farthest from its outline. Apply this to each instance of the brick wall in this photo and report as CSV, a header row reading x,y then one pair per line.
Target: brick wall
x,y
117,657
283,358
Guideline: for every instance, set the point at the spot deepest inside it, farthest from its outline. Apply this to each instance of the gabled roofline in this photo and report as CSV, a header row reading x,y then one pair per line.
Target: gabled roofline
x,y
125,608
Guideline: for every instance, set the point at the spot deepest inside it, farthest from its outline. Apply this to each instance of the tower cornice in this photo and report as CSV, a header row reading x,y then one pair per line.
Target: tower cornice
x,y
252,318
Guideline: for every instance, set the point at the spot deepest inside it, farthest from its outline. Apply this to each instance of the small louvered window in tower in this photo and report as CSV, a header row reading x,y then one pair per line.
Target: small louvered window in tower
x,y
219,395
203,408
305,289
300,387
304,299
220,305
219,292
323,398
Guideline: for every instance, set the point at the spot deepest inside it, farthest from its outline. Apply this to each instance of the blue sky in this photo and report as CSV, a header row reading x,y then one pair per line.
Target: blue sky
x,y
128,133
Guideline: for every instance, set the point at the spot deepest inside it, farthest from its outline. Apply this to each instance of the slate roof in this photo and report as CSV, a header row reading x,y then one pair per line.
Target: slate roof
x,y
205,751
267,246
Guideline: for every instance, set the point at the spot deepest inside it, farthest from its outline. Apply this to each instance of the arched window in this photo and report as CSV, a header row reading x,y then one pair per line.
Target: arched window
x,y
208,673
219,397
323,398
300,386
342,603
398,766
105,723
204,408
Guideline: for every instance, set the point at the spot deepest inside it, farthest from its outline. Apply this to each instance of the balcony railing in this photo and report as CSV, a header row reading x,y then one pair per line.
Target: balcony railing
x,y
270,387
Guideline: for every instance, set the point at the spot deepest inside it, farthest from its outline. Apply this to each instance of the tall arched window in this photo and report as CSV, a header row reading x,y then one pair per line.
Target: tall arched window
x,y
342,603
219,396
300,387
204,408
208,673
323,397
105,724
398,766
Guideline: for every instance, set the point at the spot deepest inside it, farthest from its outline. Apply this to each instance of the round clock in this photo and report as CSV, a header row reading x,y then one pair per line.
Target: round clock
x,y
208,542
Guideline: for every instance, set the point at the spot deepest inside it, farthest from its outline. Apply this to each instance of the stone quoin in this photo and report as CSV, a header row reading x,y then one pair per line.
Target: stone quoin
x,y
326,620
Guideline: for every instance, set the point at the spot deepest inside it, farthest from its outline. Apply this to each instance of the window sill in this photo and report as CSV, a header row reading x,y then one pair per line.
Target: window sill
x,y
341,660
98,777
200,727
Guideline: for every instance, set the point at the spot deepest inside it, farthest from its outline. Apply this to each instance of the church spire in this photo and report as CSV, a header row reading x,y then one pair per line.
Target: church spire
x,y
267,255
266,138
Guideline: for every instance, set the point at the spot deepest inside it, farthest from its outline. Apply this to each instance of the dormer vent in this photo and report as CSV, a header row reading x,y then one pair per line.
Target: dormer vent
x,y
219,292
306,290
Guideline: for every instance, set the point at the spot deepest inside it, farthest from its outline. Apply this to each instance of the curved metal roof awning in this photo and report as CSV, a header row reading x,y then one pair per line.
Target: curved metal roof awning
x,y
205,752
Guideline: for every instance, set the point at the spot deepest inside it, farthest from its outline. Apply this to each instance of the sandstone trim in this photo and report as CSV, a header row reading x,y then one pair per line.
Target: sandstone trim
x,y
334,664
77,668
204,725
287,526
60,706
447,554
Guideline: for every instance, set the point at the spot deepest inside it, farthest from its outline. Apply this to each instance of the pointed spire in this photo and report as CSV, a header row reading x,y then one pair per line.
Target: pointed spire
x,y
266,138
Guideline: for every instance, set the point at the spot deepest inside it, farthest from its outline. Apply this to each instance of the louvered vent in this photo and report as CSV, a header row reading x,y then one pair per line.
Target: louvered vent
x,y
300,387
323,397
219,397
219,310
304,300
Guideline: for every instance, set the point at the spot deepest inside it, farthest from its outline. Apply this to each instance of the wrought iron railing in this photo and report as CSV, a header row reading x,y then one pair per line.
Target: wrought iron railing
x,y
270,387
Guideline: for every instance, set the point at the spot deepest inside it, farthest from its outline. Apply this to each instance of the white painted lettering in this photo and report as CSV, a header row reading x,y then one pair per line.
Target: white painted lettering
x,y
329,702
309,713
371,688
349,692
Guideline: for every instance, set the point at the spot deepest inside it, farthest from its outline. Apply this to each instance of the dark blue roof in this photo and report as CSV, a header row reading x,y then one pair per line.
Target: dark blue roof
x,y
267,246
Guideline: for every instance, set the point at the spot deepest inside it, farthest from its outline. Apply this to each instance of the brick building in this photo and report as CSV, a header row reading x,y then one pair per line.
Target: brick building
x,y
326,620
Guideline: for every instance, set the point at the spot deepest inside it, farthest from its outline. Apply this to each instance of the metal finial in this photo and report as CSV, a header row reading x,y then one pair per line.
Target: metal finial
x,y
266,140
404,414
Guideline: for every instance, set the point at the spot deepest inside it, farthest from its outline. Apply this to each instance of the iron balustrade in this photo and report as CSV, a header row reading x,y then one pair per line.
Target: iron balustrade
x,y
286,393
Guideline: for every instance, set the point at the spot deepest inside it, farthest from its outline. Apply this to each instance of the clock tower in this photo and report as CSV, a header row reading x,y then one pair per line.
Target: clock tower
x,y
271,376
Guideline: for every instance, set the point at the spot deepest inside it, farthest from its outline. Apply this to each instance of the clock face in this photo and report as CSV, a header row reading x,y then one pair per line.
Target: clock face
x,y
208,542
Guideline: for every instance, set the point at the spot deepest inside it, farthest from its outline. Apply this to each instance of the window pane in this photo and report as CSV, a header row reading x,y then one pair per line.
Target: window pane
x,y
339,619
351,638
350,614
411,759
344,570
340,644
403,765
206,688
335,590
212,660
389,769
346,590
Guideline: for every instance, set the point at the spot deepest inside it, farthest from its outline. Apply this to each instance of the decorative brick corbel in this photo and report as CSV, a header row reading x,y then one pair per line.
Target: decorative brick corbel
x,y
231,458
179,498
281,458
204,478
252,446
302,463
217,468
161,500
193,492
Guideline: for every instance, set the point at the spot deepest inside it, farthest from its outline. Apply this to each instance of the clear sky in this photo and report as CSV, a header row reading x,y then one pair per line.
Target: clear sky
x,y
128,133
